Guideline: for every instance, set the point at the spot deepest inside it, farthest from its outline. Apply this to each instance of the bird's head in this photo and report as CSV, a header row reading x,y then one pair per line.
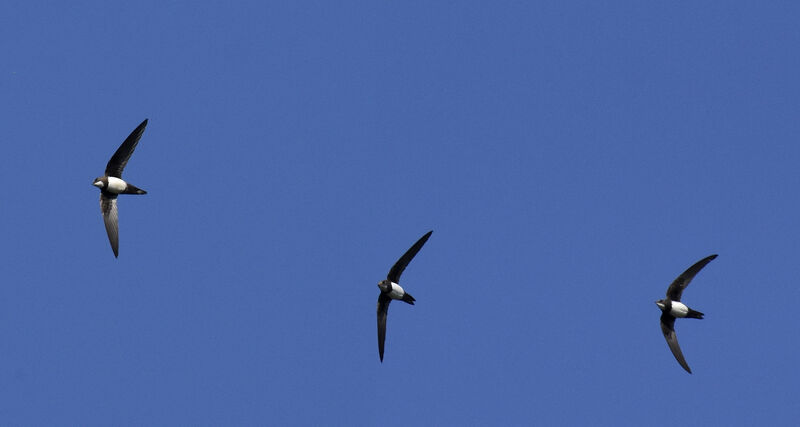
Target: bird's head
x,y
661,304
385,285
98,182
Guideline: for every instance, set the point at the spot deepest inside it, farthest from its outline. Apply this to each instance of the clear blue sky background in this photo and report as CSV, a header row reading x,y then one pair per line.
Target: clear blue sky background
x,y
572,159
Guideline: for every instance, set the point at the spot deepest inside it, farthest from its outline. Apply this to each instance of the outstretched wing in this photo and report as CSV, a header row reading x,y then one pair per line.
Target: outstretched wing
x,y
400,265
668,328
108,205
123,153
678,285
383,312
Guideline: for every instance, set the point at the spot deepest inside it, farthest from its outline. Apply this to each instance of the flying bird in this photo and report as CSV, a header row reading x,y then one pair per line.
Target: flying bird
x,y
390,289
672,308
111,185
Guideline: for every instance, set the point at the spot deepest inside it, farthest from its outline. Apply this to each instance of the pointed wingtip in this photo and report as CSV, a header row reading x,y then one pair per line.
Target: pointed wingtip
x,y
685,366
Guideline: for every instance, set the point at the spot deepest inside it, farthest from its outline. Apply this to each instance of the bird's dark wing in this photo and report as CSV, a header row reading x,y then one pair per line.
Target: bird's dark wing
x,y
108,205
120,158
383,312
668,328
400,265
678,285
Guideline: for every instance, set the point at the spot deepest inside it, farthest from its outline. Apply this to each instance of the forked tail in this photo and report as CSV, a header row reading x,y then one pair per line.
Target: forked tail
x,y
694,314
134,190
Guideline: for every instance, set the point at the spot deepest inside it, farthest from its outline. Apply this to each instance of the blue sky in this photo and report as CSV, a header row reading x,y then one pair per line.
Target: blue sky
x,y
572,159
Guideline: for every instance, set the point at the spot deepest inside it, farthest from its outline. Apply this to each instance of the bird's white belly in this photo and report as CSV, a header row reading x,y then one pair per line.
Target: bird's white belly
x,y
397,291
679,309
116,185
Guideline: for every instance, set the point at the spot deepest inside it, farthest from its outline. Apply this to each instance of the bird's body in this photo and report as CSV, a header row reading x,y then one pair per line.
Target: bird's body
x,y
395,291
679,310
391,290
114,185
111,185
672,308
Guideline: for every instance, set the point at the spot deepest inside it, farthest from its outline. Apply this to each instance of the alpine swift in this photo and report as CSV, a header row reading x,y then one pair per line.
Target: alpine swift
x,y
111,185
671,308
390,289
